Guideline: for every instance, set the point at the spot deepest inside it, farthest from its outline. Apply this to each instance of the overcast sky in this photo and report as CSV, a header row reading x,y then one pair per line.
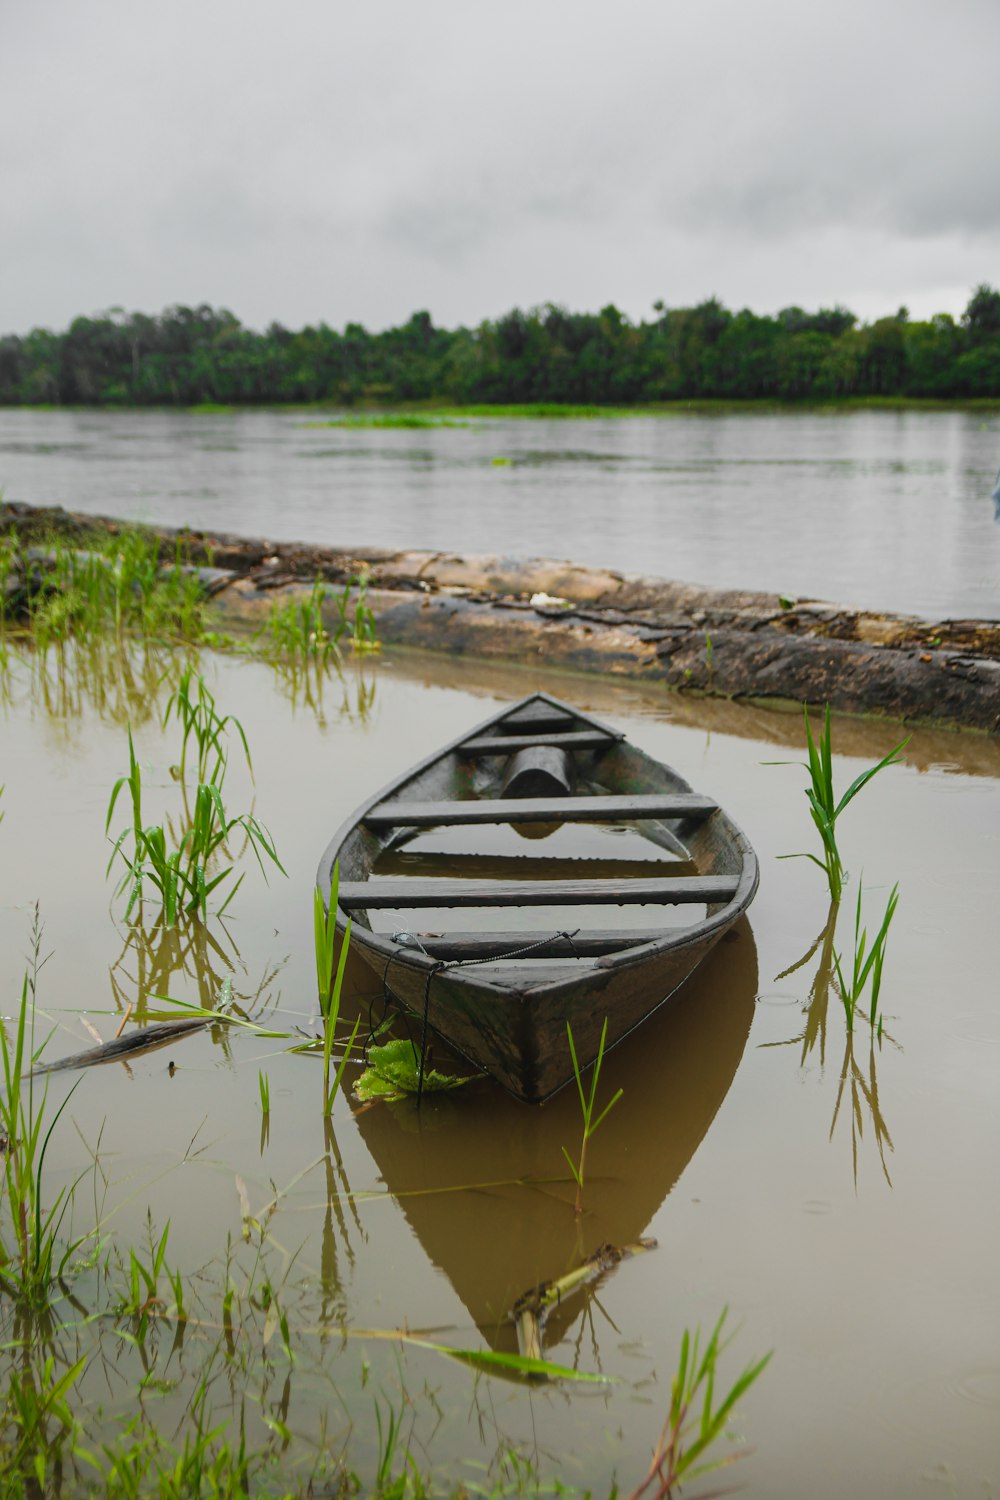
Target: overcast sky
x,y
309,160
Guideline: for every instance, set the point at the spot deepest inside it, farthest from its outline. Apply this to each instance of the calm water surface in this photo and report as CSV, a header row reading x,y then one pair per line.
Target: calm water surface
x,y
839,1199
888,510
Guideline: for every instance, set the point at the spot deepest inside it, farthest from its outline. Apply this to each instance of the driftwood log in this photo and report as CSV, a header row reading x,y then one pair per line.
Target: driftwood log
x,y
727,643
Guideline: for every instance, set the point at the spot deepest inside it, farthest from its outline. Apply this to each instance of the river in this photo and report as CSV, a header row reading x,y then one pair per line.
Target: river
x,y
832,1189
887,510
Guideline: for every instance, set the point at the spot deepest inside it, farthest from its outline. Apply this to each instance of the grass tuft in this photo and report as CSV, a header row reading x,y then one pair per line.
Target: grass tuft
x,y
184,874
329,983
680,1453
824,806
31,1259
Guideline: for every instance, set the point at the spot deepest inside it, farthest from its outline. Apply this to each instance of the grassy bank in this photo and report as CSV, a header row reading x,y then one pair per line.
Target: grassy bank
x,y
441,413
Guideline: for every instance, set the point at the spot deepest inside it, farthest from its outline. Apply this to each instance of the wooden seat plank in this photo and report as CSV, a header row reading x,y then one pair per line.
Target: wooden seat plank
x,y
517,946
399,814
571,739
374,894
432,864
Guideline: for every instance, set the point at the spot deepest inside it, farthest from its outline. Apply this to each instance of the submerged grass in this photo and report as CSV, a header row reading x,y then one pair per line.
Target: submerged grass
x,y
117,583
195,1373
121,585
225,1377
31,1255
329,984
587,1106
31,1259
687,1435
296,630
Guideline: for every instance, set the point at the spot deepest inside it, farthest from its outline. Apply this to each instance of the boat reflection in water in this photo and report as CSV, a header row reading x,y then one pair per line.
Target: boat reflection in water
x,y
482,1179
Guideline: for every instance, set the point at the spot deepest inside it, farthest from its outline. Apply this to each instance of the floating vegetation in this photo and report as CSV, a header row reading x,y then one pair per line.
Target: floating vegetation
x,y
224,1012
824,807
394,1073
556,411
405,421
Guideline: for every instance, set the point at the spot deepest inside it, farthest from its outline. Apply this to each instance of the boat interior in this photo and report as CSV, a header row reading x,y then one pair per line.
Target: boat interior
x,y
542,836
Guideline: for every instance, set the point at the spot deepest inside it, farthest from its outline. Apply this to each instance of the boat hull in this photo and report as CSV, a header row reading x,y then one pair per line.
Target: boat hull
x,y
519,1036
508,1015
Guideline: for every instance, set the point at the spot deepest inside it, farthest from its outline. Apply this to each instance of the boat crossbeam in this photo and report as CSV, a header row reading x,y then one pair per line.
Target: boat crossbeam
x,y
371,895
613,809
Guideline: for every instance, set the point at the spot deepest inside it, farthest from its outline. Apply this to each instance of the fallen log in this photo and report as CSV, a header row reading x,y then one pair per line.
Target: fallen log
x,y
726,643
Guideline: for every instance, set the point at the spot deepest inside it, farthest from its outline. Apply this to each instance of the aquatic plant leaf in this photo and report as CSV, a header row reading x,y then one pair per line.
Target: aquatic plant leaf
x,y
372,1085
394,1071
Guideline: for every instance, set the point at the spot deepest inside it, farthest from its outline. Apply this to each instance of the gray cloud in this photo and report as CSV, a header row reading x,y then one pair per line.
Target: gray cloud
x,y
317,160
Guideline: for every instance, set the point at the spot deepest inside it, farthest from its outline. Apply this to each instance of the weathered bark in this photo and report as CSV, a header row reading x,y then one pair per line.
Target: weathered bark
x,y
727,642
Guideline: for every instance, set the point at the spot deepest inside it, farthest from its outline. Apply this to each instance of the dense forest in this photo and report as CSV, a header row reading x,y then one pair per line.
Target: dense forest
x,y
188,356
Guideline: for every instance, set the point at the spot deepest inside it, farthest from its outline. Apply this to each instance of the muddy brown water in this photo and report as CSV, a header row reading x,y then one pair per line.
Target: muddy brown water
x,y
857,1241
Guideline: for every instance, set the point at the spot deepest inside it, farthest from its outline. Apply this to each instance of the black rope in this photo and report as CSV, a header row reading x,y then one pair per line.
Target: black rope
x,y
454,963
389,1002
423,1030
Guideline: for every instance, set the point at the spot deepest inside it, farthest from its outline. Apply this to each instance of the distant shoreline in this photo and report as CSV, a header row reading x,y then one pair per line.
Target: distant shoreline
x,y
533,411
189,356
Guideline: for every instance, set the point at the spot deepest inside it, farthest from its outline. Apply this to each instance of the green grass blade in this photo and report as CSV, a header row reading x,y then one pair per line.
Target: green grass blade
x,y
861,781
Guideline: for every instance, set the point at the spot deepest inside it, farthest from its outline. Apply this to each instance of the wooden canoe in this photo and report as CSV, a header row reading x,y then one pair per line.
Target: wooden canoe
x,y
501,995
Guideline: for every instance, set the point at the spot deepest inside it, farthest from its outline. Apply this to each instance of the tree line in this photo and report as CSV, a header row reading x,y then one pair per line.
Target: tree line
x,y
189,356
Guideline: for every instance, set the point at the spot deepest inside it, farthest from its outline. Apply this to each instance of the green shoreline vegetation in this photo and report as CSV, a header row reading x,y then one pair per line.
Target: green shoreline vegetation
x,y
544,362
